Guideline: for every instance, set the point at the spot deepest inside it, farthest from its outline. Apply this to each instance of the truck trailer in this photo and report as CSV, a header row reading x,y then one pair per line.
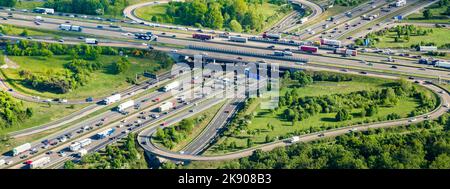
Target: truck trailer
x,y
20,149
271,36
125,105
202,36
91,41
238,39
330,42
171,86
40,162
309,49
105,133
442,64
112,99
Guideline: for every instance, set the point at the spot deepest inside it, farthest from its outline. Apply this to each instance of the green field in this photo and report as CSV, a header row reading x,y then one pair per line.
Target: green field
x,y
438,37
438,17
102,82
321,120
29,4
148,12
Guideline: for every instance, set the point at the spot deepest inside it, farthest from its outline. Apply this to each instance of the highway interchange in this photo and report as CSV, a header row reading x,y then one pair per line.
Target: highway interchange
x,y
372,65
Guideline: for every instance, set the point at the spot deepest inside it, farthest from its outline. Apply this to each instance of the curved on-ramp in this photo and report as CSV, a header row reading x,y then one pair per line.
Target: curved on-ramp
x,y
145,135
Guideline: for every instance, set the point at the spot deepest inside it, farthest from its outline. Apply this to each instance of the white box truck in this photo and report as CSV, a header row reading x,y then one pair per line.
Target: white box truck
x,y
171,86
40,162
91,41
165,106
76,28
65,27
238,39
112,99
85,142
75,147
125,105
20,149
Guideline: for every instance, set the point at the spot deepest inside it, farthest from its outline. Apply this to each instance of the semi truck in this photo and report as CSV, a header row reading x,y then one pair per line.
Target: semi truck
x,y
202,36
105,133
171,86
278,53
112,99
442,64
238,39
330,42
309,49
165,106
44,10
91,41
271,36
40,162
346,52
67,27
125,105
20,149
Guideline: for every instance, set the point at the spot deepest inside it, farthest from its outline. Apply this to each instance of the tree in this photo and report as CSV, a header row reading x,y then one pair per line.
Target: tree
x,y
168,165
214,18
122,65
441,162
24,33
8,3
427,14
249,143
235,26
69,165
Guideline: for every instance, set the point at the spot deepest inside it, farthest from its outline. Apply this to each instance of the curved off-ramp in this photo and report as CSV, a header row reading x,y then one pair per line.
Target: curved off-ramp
x,y
144,137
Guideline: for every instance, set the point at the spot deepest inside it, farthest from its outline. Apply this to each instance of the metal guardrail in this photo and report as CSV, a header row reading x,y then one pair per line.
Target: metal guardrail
x,y
246,53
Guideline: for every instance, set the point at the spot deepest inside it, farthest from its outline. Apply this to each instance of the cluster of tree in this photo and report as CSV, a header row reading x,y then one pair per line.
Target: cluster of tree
x,y
122,65
444,4
12,112
418,146
235,15
402,33
307,77
170,136
84,61
436,53
8,3
124,156
348,3
92,7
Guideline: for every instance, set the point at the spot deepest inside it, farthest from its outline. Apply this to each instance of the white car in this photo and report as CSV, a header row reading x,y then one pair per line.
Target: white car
x,y
174,50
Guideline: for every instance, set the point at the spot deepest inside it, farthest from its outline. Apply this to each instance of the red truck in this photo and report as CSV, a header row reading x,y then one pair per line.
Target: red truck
x,y
310,49
202,36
